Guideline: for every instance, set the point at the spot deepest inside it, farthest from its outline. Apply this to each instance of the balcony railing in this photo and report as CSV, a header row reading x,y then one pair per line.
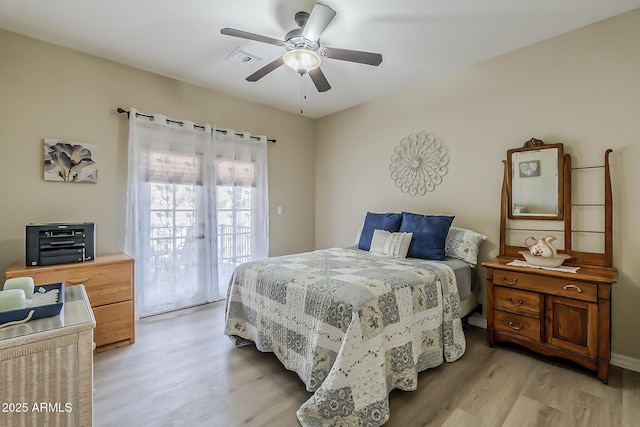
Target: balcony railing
x,y
175,243
234,244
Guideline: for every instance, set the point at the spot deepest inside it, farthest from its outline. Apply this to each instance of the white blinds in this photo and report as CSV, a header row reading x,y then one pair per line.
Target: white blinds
x,y
175,168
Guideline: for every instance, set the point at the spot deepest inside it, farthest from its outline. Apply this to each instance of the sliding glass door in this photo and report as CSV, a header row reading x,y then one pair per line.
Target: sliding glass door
x,y
176,247
197,207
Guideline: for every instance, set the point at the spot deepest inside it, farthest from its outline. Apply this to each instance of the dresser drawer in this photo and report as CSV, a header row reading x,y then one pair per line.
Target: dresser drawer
x,y
105,284
517,324
517,300
584,291
114,322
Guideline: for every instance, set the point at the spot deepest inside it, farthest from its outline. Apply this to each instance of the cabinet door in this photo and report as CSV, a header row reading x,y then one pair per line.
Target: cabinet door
x,y
572,325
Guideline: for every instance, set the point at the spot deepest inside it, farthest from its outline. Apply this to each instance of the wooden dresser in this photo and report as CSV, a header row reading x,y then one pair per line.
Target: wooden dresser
x,y
108,281
554,313
46,367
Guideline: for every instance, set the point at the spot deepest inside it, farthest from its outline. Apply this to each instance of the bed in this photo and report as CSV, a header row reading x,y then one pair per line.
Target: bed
x,y
352,323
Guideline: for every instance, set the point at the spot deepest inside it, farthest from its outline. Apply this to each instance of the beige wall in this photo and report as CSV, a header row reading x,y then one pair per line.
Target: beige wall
x,y
581,89
51,92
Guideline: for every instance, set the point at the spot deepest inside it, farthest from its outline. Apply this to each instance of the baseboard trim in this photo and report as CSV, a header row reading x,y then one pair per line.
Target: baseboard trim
x,y
619,360
478,321
625,362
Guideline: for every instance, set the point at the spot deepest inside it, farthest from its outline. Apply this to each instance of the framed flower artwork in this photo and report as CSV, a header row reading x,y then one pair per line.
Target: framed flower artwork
x,y
69,161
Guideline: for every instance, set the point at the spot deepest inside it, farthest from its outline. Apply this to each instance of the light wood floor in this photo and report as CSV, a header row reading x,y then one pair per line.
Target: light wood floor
x,y
182,371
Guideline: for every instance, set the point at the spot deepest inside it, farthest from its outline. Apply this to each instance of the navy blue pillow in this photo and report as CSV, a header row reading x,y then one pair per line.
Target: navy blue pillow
x,y
378,221
429,235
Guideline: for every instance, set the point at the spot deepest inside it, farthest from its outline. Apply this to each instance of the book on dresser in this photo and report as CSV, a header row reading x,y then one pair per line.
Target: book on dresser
x,y
109,284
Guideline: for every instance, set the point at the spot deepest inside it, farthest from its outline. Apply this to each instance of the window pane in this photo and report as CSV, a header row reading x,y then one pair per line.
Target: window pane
x,y
185,197
225,218
161,196
225,197
243,221
161,223
243,197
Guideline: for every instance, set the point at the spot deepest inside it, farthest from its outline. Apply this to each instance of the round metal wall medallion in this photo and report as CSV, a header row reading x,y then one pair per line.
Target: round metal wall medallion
x,y
419,163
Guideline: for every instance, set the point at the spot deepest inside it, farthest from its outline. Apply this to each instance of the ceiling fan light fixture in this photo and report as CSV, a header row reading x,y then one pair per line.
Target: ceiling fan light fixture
x,y
302,60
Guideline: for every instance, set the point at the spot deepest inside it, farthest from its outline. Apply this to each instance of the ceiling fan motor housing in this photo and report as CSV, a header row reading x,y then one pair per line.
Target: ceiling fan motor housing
x,y
294,38
304,53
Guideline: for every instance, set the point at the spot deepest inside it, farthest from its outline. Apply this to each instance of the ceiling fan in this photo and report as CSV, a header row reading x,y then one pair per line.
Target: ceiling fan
x,y
304,53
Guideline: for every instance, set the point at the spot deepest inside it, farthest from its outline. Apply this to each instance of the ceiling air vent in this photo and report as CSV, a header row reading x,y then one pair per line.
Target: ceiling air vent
x,y
244,58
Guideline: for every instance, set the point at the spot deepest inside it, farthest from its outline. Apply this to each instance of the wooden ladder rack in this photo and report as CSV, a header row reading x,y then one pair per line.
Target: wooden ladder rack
x,y
590,258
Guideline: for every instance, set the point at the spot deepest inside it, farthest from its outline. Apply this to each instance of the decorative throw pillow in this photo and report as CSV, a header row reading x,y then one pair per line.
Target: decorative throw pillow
x,y
378,240
464,244
395,245
429,234
378,221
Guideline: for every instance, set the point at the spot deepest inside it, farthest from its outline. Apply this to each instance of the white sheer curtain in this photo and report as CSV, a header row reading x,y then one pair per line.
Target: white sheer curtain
x,y
197,206
242,201
170,213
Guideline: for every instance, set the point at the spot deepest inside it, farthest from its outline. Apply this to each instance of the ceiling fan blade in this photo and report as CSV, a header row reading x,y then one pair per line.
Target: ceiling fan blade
x,y
318,21
265,70
251,36
321,82
361,57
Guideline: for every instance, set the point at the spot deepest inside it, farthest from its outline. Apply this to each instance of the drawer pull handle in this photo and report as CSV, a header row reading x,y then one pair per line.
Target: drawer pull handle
x,y
513,326
520,302
567,287
78,281
508,282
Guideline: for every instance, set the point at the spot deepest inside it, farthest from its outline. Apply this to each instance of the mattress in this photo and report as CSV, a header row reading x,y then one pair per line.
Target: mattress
x,y
465,276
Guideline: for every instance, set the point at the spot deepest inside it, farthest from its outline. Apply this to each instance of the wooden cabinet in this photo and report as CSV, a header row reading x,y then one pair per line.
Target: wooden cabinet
x,y
108,281
46,367
554,313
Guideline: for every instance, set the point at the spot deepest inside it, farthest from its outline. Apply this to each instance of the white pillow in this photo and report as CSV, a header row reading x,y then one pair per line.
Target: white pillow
x,y
395,245
464,244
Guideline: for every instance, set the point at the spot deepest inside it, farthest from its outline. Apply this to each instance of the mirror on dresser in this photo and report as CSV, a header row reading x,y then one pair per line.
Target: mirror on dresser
x,y
535,181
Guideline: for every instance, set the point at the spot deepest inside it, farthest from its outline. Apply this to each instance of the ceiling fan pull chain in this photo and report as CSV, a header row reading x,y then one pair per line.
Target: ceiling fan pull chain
x,y
302,93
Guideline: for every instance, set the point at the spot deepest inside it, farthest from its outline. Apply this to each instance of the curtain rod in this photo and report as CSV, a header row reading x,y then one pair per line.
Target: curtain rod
x,y
123,111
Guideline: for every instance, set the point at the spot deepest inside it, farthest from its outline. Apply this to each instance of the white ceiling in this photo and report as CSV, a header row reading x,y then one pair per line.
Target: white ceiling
x,y
418,39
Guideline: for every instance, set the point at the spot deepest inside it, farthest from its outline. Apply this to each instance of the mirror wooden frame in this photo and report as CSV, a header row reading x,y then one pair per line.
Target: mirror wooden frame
x,y
578,258
531,146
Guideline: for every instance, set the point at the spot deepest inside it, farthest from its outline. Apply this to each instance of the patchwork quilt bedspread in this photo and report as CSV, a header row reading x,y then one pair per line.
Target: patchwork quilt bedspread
x,y
352,325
